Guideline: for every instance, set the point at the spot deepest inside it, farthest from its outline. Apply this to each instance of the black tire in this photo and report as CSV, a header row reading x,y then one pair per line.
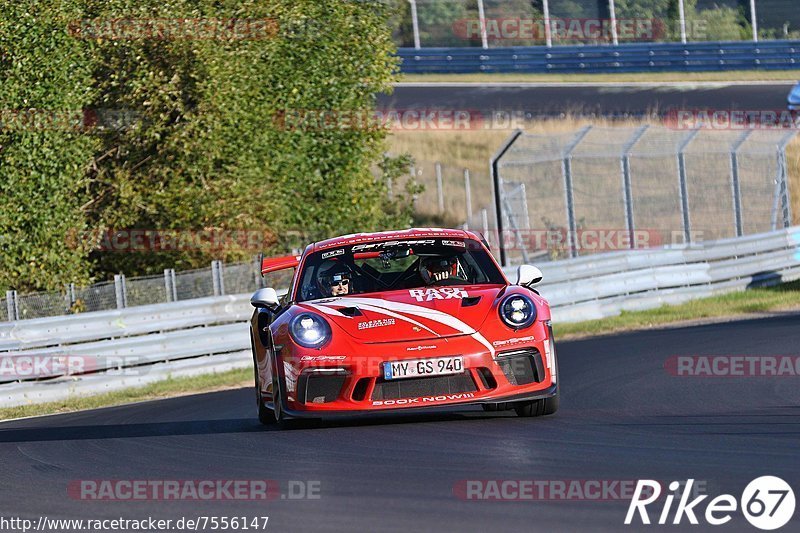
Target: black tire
x,y
265,415
547,406
544,407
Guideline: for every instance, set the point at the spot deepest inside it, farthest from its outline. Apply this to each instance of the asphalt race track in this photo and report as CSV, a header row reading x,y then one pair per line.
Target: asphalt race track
x,y
604,100
622,417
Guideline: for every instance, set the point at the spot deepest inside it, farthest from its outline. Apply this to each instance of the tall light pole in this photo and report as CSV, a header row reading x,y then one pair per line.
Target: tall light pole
x,y
682,15
548,34
613,14
753,21
415,22
482,18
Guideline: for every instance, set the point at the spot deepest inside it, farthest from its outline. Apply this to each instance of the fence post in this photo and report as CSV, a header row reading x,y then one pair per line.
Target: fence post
x,y
566,172
12,306
687,225
389,192
782,184
468,191
120,291
218,278
497,190
735,186
439,187
257,277
413,173
627,187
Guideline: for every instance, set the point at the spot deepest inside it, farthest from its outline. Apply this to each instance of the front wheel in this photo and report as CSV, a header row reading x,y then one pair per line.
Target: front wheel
x,y
546,406
265,415
543,407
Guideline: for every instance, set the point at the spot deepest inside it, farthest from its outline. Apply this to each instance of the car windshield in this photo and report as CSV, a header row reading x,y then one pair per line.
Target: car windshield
x,y
396,265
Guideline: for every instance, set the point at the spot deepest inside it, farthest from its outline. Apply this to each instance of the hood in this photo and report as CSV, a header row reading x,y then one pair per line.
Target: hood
x,y
410,315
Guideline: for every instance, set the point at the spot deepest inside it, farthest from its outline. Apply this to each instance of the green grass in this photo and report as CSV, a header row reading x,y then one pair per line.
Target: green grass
x,y
781,297
162,389
733,75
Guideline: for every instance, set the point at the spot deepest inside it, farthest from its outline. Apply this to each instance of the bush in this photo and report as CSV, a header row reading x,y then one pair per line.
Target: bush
x,y
207,147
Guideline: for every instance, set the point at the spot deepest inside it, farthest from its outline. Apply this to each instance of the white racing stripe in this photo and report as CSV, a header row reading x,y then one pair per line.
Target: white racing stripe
x,y
387,307
332,311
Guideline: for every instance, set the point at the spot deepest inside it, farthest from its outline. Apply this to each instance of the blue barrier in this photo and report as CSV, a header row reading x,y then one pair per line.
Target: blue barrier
x,y
647,57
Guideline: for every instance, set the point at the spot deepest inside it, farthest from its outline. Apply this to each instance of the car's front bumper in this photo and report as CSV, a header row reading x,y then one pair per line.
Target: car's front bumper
x,y
333,385
548,392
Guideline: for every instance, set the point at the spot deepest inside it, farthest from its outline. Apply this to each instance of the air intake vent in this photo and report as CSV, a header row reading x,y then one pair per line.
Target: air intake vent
x,y
522,367
412,388
470,301
320,387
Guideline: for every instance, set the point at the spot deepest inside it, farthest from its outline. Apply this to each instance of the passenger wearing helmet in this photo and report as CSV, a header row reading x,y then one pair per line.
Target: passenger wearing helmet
x,y
335,280
433,269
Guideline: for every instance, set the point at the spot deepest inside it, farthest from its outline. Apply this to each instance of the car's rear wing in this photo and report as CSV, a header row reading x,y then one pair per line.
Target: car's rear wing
x,y
274,264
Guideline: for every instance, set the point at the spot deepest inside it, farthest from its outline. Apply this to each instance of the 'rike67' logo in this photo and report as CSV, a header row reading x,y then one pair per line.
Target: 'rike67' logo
x,y
444,293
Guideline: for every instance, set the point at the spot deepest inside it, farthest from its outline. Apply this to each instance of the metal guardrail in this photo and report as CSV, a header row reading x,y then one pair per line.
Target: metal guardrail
x,y
652,57
137,346
595,287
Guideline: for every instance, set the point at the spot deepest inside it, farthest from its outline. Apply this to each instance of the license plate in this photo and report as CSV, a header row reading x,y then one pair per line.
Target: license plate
x,y
414,368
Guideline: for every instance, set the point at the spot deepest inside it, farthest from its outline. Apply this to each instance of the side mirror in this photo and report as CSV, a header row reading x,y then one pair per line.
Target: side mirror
x,y
267,297
528,275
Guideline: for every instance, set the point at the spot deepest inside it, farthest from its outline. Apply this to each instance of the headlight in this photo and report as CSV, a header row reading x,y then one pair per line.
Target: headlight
x,y
309,330
517,311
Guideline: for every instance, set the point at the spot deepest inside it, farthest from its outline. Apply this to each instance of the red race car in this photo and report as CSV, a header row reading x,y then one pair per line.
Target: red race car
x,y
378,322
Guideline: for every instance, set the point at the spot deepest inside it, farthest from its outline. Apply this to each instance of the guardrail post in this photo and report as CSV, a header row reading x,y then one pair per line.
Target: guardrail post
x,y
69,296
569,193
735,186
218,278
12,306
120,291
687,225
627,188
169,285
439,187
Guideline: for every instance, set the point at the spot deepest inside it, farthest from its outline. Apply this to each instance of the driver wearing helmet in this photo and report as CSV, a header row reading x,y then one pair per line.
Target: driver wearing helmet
x,y
335,280
433,269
